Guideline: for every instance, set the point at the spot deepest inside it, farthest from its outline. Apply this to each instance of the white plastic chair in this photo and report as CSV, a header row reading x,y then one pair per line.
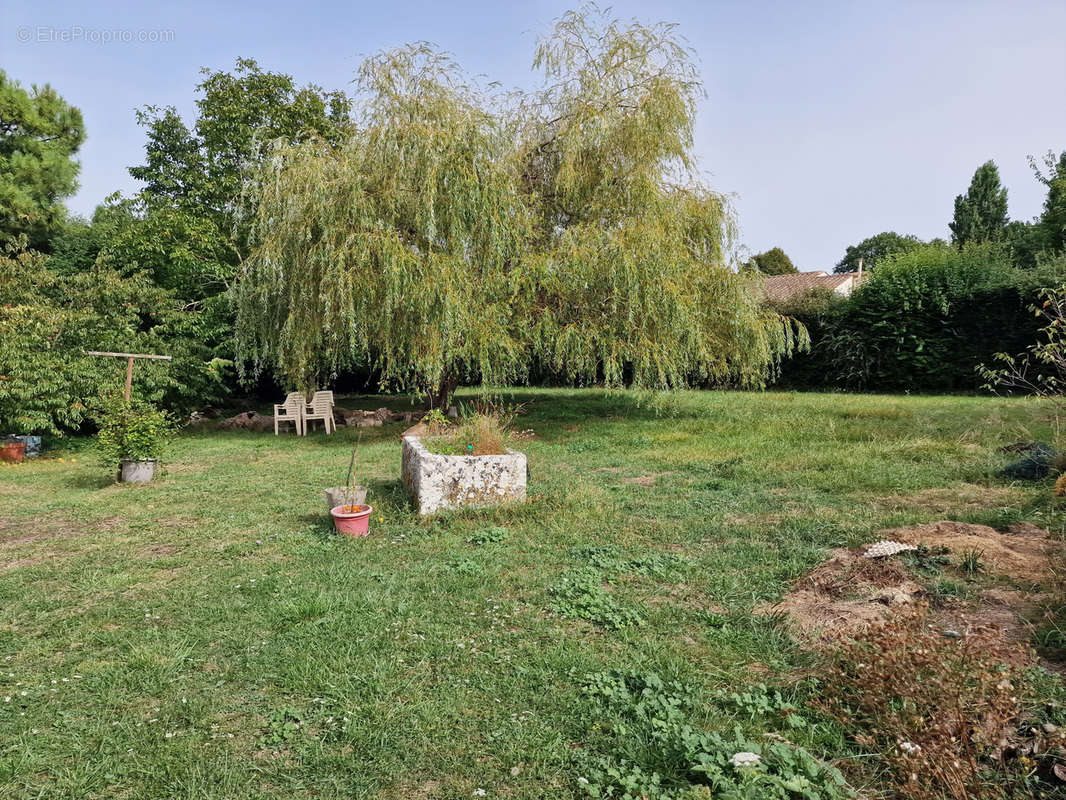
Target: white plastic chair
x,y
292,410
320,407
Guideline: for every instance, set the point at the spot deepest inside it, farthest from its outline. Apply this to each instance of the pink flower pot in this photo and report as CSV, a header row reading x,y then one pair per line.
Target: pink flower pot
x,y
352,520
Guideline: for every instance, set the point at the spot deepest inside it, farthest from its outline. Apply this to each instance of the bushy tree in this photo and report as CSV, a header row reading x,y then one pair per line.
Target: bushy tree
x,y
40,134
186,231
1041,369
773,262
239,114
981,213
1052,221
47,322
451,239
875,248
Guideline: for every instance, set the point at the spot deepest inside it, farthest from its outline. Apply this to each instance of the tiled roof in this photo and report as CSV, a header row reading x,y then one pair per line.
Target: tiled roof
x,y
785,287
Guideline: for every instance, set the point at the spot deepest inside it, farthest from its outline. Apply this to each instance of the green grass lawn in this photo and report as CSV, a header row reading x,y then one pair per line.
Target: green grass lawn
x,y
208,636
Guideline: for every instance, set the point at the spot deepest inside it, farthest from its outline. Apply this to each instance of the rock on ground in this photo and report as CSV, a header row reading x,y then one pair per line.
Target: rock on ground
x,y
248,421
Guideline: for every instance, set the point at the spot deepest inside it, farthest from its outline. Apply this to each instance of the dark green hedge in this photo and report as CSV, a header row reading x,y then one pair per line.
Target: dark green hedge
x,y
922,322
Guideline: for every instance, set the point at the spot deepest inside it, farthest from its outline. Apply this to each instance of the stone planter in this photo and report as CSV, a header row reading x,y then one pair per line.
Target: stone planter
x,y
437,482
137,471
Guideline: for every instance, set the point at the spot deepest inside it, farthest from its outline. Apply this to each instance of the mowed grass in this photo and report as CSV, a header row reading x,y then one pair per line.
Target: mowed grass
x,y
208,636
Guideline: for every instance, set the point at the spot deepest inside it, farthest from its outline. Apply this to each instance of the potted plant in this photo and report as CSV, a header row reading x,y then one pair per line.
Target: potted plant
x,y
350,494
134,434
351,515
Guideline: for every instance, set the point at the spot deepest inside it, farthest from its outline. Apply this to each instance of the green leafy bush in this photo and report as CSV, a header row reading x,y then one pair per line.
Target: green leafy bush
x,y
924,321
133,431
491,535
656,753
610,559
47,321
581,593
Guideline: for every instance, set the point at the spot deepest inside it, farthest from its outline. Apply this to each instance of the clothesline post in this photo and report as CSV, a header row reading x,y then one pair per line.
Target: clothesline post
x,y
129,364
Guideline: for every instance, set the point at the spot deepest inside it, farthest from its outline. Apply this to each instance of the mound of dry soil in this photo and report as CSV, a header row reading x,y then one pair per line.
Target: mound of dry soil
x,y
847,592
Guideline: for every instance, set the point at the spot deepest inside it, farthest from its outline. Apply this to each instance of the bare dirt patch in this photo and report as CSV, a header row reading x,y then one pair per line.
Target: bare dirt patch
x,y
38,529
163,550
1023,552
847,592
31,561
645,480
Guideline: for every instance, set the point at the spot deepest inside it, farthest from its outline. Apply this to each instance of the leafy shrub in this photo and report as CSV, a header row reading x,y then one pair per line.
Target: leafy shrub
x,y
937,709
927,560
1041,369
610,559
283,726
657,754
581,593
759,701
291,728
466,568
133,431
656,565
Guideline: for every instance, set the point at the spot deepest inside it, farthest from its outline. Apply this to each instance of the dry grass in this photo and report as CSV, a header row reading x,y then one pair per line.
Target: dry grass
x,y
938,710
480,434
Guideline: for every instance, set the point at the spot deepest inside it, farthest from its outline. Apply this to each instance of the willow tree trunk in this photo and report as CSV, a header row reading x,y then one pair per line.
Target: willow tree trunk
x,y
438,398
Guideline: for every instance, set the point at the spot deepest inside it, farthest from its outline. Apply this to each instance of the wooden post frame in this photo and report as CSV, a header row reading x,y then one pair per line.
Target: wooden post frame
x,y
129,364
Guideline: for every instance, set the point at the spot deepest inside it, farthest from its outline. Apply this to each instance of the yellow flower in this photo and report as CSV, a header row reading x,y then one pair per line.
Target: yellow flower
x,y
60,461
381,519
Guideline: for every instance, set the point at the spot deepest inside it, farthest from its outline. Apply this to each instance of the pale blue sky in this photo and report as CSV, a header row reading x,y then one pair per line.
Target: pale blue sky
x,y
829,121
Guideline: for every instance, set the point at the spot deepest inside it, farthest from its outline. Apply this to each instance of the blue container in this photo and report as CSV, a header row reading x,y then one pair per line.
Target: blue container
x,y
33,444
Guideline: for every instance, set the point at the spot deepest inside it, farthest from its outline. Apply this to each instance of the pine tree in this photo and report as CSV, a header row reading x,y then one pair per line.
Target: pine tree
x,y
39,135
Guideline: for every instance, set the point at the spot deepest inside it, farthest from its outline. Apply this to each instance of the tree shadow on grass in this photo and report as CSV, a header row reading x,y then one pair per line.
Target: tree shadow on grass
x,y
89,480
387,490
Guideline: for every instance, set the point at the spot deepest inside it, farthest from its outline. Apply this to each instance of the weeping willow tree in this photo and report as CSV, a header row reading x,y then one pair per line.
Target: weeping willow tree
x,y
402,247
631,249
456,238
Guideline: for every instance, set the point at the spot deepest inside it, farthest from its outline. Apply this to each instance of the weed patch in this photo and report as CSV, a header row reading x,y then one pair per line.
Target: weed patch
x,y
581,595
489,536
655,752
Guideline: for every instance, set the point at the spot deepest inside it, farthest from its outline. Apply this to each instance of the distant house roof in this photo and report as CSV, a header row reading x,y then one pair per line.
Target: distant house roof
x,y
785,287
